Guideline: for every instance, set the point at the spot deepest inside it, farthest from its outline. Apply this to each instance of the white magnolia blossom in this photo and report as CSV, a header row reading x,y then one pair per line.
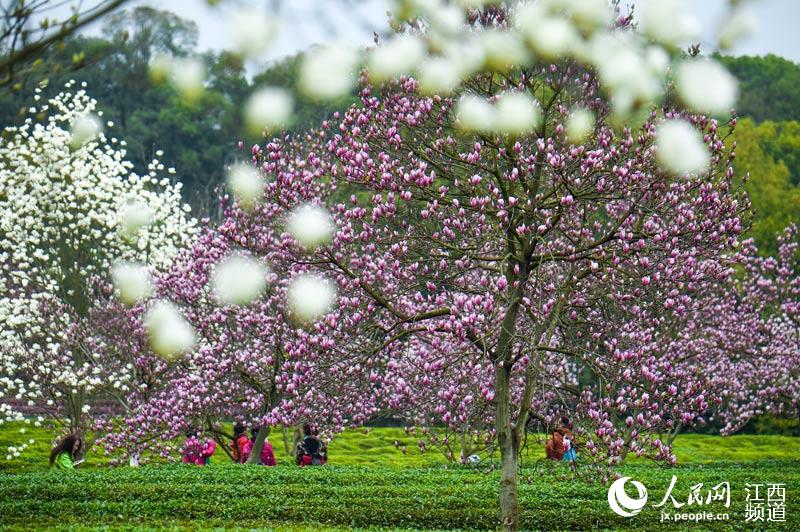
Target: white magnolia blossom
x,y
516,113
187,75
170,334
269,108
310,225
502,49
466,55
238,280
394,58
680,148
438,75
740,24
705,86
310,297
61,230
328,72
580,124
84,128
132,282
474,113
548,36
622,64
669,22
247,185
251,31
588,15
133,217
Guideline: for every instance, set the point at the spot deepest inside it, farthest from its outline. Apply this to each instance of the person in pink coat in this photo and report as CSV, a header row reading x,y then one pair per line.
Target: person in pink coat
x,y
197,452
267,454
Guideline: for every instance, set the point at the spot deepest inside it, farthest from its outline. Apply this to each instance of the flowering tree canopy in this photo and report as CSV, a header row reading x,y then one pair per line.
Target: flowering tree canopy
x,y
758,330
71,208
259,361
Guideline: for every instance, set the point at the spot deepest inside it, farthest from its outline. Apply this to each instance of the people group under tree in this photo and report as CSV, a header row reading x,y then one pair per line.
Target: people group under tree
x,y
310,450
242,445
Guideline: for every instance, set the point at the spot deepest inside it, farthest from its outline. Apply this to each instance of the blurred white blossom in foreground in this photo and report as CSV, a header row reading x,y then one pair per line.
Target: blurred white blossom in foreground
x,y
269,108
580,124
251,31
705,86
170,333
680,148
238,280
132,282
187,75
310,297
133,217
310,225
85,127
247,185
396,57
328,72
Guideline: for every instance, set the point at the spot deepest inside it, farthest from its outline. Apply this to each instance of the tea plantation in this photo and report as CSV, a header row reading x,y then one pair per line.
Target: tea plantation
x,y
369,483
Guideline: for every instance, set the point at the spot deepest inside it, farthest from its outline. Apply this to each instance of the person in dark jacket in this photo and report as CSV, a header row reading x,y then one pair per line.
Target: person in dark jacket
x,y
311,450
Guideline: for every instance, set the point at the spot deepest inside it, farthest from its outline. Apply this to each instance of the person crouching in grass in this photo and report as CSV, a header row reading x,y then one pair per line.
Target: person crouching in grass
x,y
65,454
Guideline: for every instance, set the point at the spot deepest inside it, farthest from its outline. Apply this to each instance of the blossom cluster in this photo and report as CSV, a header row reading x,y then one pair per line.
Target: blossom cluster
x,y
72,208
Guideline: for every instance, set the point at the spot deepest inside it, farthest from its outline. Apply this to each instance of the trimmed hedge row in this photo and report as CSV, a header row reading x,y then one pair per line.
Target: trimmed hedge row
x,y
348,496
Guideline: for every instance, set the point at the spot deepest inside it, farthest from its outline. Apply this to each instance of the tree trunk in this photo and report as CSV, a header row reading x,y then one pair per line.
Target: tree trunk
x,y
509,451
465,448
258,445
286,446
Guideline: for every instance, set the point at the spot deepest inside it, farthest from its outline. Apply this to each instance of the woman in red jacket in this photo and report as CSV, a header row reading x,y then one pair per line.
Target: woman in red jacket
x,y
240,448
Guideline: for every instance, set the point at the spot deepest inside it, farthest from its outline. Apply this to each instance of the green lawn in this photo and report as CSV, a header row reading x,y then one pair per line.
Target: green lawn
x,y
369,483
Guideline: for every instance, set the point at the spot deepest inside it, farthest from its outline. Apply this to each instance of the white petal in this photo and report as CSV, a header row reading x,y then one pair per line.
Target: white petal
x,y
311,226
706,86
474,113
516,113
328,72
187,76
740,24
132,282
269,108
247,185
170,333
310,297
580,124
238,280
669,22
394,58
680,148
251,31
85,127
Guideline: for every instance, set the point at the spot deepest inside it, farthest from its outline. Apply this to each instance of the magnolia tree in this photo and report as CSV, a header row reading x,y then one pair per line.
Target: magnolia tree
x,y
249,291
758,325
521,228
71,210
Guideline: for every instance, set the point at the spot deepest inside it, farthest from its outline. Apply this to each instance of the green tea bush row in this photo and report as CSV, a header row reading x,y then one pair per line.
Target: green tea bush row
x,y
356,496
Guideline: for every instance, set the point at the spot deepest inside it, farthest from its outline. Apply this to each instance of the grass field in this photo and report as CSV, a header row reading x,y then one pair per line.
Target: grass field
x,y
371,484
